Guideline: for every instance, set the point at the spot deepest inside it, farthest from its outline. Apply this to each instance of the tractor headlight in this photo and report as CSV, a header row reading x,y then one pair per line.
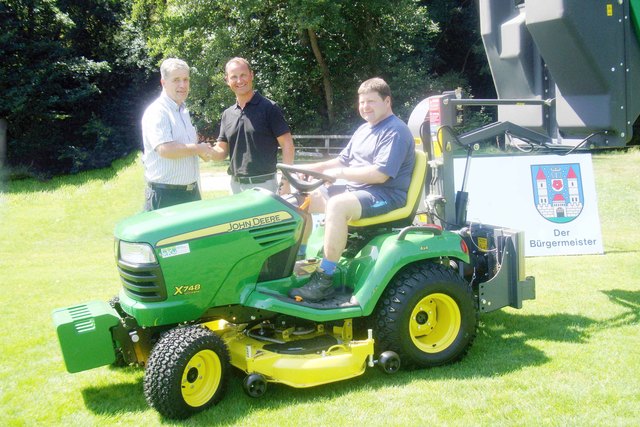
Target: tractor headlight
x,y
137,253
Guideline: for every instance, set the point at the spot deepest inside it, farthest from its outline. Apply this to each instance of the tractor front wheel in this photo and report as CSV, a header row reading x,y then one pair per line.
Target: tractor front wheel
x,y
427,316
187,372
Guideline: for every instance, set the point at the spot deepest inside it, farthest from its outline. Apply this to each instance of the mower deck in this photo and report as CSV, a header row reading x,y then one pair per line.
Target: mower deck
x,y
314,358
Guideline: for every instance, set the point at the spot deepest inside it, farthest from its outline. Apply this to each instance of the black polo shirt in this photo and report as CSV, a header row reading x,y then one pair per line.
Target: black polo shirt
x,y
252,135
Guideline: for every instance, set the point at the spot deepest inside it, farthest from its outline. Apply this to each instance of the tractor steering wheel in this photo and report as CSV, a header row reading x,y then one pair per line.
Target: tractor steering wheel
x,y
304,186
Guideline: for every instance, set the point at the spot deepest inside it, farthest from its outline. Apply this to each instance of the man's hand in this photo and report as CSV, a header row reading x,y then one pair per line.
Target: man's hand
x,y
175,150
285,187
205,151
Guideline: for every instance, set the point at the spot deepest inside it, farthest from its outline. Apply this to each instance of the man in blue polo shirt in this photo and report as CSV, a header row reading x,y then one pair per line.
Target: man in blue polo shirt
x,y
377,164
251,131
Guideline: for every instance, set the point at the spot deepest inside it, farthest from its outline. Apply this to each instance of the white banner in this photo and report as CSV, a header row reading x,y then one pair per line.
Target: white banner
x,y
552,198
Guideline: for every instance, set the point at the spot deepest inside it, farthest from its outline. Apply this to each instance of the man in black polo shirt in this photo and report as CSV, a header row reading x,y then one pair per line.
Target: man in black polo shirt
x,y
251,132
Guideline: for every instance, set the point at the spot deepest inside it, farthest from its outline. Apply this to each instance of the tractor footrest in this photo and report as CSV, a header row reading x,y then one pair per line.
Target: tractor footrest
x,y
343,297
303,346
84,333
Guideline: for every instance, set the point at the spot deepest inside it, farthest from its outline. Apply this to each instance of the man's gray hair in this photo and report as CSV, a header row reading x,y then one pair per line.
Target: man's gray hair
x,y
169,65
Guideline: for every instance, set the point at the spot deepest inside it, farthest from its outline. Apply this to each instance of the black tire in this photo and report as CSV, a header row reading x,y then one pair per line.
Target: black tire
x,y
389,362
427,316
187,372
255,385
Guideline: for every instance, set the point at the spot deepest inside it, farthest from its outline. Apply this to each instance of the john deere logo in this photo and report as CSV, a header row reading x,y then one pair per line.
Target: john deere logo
x,y
557,191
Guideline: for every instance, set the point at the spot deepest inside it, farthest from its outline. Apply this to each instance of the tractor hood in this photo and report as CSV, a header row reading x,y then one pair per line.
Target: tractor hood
x,y
188,221
203,254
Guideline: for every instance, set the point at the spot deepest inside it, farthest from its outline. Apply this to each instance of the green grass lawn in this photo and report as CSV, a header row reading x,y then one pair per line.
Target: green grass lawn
x,y
570,357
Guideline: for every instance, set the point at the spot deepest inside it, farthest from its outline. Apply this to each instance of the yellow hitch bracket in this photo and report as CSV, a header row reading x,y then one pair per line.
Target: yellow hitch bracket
x,y
345,331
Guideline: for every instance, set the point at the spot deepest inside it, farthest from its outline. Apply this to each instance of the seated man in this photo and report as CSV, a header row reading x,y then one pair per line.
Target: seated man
x,y
377,163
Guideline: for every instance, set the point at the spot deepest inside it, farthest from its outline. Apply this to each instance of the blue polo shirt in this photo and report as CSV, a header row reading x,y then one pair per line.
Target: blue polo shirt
x,y
389,145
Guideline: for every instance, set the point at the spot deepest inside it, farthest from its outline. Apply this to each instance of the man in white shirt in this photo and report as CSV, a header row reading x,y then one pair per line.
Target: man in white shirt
x,y
171,148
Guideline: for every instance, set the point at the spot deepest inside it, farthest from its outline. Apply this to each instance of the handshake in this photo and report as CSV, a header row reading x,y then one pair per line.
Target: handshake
x,y
207,152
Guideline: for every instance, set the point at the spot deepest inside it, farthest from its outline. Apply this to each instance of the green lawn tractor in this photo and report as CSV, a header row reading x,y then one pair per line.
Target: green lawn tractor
x,y
205,288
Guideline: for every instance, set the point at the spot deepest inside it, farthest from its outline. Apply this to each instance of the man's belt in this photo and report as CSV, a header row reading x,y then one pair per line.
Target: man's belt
x,y
188,187
254,179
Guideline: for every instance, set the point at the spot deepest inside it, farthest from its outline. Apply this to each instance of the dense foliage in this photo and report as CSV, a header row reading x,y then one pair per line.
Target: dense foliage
x,y
72,80
76,74
308,55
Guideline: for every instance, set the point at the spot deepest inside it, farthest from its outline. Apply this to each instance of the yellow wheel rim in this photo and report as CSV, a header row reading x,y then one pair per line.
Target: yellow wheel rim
x,y
201,378
434,323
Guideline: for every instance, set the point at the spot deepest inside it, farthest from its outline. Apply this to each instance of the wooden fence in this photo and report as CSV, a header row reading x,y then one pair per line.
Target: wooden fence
x,y
319,145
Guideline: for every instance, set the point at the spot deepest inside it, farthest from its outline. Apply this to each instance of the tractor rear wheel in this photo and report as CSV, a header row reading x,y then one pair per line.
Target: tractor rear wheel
x,y
187,372
427,315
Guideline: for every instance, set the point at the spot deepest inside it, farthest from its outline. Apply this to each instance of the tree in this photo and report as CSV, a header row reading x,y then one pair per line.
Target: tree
x,y
458,46
309,55
72,77
76,74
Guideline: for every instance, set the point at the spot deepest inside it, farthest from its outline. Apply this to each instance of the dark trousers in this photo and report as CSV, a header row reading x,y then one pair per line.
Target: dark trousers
x,y
157,198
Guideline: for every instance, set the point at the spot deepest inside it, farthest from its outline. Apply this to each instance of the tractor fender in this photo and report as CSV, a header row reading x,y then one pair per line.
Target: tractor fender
x,y
381,259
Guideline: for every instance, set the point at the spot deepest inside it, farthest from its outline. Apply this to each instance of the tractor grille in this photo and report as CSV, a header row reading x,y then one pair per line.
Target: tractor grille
x,y
273,234
143,282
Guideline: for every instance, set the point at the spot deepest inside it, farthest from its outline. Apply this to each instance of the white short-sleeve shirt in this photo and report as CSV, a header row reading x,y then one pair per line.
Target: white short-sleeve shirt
x,y
164,121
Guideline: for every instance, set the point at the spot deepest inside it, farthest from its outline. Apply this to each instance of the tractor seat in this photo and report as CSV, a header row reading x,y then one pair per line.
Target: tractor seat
x,y
403,216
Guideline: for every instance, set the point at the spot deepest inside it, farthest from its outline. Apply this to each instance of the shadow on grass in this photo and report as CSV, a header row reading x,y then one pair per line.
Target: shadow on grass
x,y
629,300
501,347
116,398
31,185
